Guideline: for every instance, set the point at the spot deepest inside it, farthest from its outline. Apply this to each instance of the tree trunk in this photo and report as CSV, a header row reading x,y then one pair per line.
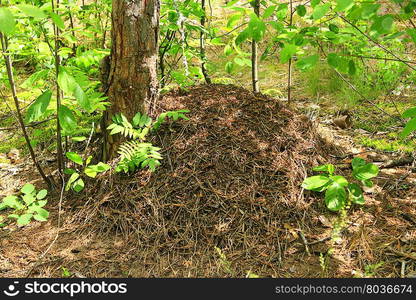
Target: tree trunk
x,y
132,80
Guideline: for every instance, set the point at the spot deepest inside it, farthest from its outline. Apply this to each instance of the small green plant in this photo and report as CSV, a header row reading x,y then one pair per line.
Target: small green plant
x,y
66,273
26,206
224,262
338,191
136,154
75,181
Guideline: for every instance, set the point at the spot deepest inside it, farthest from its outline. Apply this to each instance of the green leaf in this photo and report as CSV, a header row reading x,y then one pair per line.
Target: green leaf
x,y
365,172
351,68
368,183
308,62
78,185
57,20
357,162
67,119
71,180
287,52
38,108
228,50
28,199
24,219
409,128
301,10
409,113
32,11
320,11
340,180
335,197
333,60
42,213
78,138
66,82
268,12
334,28
315,2
343,5
11,201
329,168
90,171
7,21
76,158
315,183
41,194
81,97
27,188
356,194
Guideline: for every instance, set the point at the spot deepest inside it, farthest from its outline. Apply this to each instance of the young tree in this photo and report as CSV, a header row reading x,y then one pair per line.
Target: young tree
x,y
132,81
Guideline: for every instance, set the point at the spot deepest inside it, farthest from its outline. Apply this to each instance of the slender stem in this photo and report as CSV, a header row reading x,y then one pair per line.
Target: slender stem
x,y
289,67
254,54
202,45
59,150
9,69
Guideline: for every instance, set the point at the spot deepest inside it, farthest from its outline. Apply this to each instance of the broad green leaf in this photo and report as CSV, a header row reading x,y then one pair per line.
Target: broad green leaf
x,y
90,171
268,12
81,97
76,158
228,50
71,180
28,199
32,11
356,194
307,62
57,20
24,219
78,185
340,180
334,28
229,66
365,172
320,11
343,5
11,201
78,138
409,128
329,168
27,188
368,183
39,218
66,119
7,21
315,2
41,194
351,68
301,10
315,182
38,108
409,113
287,52
333,60
335,197
357,162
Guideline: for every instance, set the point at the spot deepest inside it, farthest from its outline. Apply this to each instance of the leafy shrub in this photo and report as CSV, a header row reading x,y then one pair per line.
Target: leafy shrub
x,y
338,191
26,206
136,154
75,181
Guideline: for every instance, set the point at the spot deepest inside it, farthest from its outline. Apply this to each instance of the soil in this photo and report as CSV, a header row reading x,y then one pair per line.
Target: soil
x,y
226,202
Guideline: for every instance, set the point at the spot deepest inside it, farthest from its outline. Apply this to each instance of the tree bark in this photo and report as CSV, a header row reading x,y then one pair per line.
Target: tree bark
x,y
132,82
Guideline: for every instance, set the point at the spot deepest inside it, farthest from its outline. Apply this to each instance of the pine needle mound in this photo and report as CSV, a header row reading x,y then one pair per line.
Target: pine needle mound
x,y
231,178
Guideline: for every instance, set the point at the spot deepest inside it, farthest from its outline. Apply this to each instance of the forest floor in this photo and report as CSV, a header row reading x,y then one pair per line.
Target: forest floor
x,y
226,202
